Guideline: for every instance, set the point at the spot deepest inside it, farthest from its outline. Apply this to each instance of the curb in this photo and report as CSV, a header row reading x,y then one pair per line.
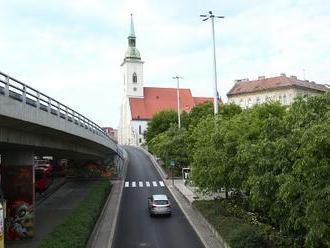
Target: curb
x,y
204,220
115,219
200,219
109,214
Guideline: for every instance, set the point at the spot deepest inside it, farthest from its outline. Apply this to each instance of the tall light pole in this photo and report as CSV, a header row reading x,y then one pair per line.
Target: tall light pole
x,y
178,98
215,100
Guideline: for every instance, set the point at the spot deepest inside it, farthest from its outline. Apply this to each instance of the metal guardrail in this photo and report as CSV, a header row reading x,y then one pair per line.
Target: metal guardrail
x,y
19,91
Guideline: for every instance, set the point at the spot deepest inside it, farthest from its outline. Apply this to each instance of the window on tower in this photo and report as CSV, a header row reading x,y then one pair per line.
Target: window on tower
x,y
134,78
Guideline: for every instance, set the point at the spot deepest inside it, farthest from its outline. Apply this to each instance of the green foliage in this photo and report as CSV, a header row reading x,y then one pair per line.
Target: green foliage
x,y
238,227
246,236
159,123
279,157
200,112
171,145
76,229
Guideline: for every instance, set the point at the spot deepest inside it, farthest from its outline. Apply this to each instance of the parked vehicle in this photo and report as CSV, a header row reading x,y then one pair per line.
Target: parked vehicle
x,y
42,180
47,167
159,205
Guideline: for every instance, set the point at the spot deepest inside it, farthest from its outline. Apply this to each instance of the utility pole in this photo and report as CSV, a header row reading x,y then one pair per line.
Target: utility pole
x,y
178,98
211,16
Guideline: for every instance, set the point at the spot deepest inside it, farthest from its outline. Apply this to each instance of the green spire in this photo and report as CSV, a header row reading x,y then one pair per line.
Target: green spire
x,y
132,33
132,52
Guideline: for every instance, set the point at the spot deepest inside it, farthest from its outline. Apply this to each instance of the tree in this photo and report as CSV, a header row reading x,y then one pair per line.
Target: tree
x,y
200,112
159,123
171,145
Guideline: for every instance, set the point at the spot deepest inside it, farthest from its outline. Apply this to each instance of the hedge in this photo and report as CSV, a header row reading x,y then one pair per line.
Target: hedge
x,y
238,227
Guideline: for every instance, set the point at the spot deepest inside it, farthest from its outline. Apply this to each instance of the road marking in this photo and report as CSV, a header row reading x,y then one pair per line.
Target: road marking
x,y
147,184
161,183
133,184
126,184
154,183
140,184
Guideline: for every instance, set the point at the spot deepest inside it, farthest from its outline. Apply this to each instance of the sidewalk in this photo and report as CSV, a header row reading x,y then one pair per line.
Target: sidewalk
x,y
57,183
192,193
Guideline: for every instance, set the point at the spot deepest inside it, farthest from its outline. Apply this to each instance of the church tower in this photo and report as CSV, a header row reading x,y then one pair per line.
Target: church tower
x,y
132,65
132,68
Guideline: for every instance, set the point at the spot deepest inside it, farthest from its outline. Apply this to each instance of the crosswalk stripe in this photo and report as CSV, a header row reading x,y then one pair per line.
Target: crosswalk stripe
x,y
140,184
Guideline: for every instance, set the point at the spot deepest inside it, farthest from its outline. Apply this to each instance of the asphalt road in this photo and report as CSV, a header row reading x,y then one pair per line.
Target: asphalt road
x,y
135,227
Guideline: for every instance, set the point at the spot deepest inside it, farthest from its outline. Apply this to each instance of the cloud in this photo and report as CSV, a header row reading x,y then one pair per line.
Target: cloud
x,y
72,50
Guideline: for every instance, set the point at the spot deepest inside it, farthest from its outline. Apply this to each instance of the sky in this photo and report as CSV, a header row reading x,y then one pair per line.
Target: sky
x,y
72,50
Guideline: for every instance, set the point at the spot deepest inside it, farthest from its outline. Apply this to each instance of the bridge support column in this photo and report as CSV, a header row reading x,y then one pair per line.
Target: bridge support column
x,y
17,182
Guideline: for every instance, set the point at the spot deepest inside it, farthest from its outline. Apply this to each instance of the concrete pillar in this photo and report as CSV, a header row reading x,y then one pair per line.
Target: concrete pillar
x,y
17,182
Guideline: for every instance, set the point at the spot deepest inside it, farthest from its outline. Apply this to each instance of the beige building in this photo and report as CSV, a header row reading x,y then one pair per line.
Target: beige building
x,y
246,93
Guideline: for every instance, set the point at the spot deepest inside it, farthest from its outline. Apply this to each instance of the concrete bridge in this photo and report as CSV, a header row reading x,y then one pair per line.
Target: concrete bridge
x,y
32,123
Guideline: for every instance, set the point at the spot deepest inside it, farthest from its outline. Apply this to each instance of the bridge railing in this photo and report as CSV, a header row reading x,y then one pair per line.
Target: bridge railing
x,y
19,91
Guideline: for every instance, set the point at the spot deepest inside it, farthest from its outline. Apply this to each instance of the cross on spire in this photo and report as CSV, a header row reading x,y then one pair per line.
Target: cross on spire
x,y
132,33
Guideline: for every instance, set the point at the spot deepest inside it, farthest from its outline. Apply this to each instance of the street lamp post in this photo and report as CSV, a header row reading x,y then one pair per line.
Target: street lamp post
x,y
178,98
215,100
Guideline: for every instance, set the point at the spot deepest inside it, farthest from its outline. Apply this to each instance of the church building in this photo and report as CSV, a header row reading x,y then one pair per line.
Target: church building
x,y
139,103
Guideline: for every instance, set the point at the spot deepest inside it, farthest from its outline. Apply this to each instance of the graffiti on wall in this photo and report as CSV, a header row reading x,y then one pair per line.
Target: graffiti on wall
x,y
18,188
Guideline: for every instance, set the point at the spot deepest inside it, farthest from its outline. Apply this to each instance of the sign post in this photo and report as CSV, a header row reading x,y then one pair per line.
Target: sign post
x,y
172,163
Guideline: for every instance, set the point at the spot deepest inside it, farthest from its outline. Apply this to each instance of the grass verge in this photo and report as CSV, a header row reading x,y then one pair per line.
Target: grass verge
x,y
74,232
238,227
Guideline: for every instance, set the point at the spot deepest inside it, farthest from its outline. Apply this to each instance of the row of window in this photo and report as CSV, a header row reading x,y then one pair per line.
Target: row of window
x,y
283,99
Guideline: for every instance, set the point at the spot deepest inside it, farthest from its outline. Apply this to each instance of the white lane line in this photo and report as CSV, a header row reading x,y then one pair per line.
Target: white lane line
x,y
147,184
154,183
140,184
161,183
133,184
126,184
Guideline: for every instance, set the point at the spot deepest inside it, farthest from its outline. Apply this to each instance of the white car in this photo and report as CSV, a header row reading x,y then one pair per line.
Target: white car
x,y
159,205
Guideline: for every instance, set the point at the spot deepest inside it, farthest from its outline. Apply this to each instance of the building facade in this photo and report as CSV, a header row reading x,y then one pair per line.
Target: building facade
x,y
111,132
246,93
140,103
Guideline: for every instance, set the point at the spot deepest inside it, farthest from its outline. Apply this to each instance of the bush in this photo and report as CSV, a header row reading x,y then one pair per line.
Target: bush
x,y
76,229
240,228
245,236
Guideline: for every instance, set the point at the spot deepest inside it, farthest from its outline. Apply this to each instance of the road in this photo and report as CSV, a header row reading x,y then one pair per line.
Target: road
x,y
135,227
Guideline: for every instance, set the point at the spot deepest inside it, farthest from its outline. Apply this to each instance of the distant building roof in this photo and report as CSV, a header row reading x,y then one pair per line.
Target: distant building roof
x,y
201,100
158,99
264,84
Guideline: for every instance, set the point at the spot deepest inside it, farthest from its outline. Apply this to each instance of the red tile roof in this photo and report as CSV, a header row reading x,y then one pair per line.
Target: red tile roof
x,y
201,100
273,83
158,99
